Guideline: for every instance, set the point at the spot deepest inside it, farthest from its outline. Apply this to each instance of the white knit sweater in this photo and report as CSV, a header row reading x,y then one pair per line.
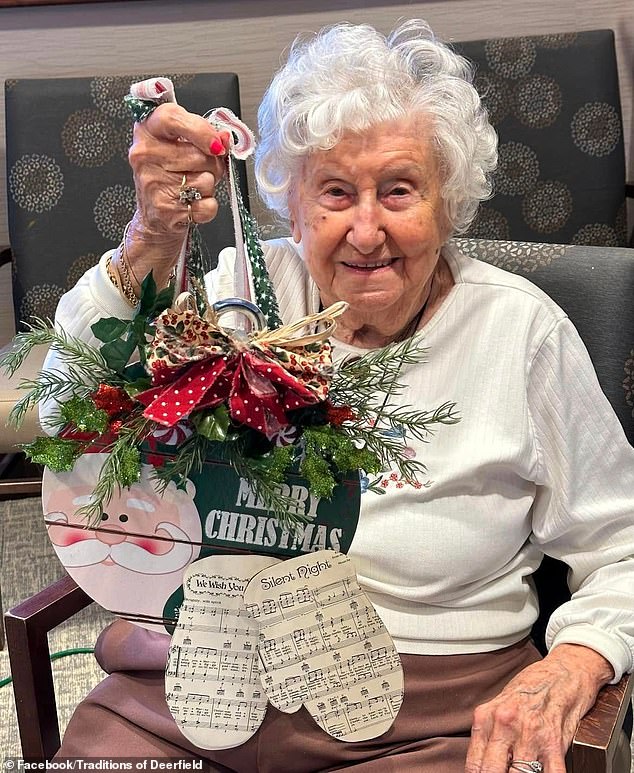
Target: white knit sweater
x,y
538,464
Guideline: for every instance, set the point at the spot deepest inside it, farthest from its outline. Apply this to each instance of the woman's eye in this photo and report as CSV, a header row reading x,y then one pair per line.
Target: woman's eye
x,y
336,192
400,190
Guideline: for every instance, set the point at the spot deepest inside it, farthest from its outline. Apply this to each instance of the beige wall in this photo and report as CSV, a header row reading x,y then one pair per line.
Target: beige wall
x,y
247,36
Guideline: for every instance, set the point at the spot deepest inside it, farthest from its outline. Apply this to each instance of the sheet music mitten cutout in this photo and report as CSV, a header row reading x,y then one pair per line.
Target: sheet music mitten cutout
x,y
322,645
212,681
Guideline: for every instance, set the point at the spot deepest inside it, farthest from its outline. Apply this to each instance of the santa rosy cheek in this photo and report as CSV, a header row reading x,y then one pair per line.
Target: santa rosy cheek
x,y
59,535
156,547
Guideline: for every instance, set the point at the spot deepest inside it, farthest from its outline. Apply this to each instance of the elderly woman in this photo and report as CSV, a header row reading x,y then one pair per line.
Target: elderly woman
x,y
378,150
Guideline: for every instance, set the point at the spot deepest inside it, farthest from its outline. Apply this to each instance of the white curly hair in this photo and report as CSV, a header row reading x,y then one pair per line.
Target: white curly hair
x,y
348,78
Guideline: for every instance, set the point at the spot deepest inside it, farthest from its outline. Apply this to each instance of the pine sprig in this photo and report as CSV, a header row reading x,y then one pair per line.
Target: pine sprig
x,y
265,476
361,382
389,451
418,423
38,334
76,353
121,469
190,458
48,384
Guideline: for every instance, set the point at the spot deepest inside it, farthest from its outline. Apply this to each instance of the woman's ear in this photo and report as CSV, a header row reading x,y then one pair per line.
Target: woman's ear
x,y
292,218
295,232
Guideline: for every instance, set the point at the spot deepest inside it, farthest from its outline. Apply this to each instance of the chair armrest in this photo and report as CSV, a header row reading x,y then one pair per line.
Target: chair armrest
x,y
27,626
597,735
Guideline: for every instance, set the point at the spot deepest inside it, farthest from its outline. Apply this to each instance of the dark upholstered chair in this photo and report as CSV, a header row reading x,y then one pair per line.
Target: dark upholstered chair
x,y
554,100
595,286
70,195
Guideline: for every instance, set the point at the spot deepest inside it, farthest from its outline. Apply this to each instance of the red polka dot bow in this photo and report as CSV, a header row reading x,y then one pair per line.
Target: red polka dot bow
x,y
196,364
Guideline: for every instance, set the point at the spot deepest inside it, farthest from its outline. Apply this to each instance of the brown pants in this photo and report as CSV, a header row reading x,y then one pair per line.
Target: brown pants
x,y
127,716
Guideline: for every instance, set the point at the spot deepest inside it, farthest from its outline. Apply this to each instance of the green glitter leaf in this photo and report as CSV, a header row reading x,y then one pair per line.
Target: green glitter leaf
x,y
84,415
317,472
129,464
57,454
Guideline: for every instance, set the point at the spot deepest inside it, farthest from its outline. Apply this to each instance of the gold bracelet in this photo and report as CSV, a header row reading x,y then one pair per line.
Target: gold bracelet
x,y
124,283
113,275
122,278
124,256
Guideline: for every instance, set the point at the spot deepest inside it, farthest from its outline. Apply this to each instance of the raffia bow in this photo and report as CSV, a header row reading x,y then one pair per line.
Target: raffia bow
x,y
197,364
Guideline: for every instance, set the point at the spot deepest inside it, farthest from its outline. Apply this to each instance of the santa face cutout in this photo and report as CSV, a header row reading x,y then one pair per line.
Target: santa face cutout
x,y
134,558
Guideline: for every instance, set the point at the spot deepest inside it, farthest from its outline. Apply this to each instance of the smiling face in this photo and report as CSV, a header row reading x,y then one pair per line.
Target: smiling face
x,y
371,222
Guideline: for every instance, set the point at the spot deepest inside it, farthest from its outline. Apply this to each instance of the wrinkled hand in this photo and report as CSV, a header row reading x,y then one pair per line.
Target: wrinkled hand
x,y
171,143
536,714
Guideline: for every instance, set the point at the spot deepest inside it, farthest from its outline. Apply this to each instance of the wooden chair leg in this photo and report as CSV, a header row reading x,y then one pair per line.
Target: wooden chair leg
x,y
27,627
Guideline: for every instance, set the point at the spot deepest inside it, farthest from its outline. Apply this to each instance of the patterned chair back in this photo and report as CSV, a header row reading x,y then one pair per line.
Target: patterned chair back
x,y
70,188
554,101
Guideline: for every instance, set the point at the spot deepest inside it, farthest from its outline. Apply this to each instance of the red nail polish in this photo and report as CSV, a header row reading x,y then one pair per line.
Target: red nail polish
x,y
159,87
216,147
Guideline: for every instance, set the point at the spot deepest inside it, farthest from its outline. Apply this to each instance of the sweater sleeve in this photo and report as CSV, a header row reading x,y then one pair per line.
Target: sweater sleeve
x,y
92,298
584,509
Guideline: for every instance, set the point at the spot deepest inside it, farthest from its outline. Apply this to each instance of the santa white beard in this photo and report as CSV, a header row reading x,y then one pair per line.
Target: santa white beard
x,y
137,582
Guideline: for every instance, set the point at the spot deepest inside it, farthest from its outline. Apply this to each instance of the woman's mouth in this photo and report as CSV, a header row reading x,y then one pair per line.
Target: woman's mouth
x,y
369,265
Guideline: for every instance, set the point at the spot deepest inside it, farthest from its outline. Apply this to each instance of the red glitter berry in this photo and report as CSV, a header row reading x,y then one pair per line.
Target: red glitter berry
x,y
337,414
112,400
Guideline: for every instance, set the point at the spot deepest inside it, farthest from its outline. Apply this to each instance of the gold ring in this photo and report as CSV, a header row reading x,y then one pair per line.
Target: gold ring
x,y
190,218
188,193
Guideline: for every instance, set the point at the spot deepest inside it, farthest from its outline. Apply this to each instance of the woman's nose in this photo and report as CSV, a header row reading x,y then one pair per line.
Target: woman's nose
x,y
367,231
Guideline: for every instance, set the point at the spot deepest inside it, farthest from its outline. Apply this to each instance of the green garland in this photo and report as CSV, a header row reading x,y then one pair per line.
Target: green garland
x,y
334,437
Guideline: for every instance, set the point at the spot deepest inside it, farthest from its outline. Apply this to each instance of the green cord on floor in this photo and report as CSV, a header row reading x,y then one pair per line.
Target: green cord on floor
x,y
56,656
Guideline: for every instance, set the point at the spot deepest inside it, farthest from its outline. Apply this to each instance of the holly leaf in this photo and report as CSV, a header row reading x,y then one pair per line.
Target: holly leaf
x,y
163,300
133,388
117,353
135,372
109,329
148,297
212,424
